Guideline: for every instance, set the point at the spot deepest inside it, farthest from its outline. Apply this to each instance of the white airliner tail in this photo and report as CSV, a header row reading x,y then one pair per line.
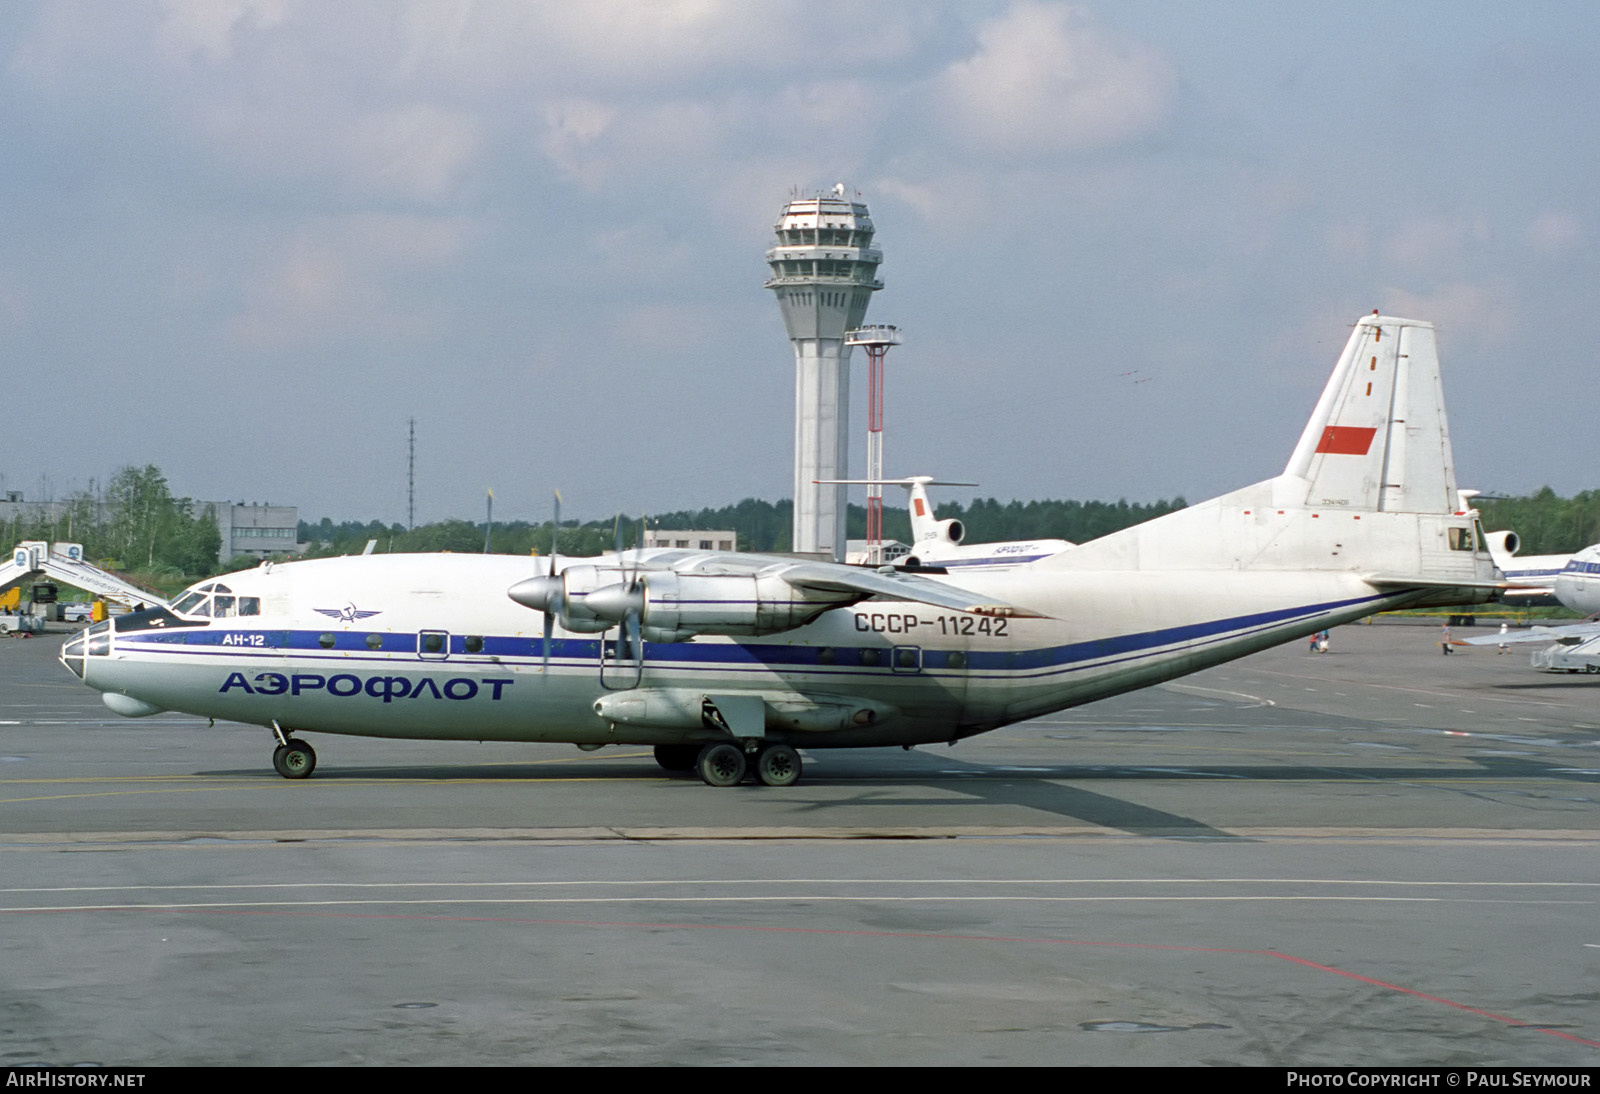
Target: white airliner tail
x,y
1378,440
1370,488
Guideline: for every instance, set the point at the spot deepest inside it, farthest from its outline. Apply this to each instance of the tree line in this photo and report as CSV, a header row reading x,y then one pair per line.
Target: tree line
x,y
1545,522
760,525
135,524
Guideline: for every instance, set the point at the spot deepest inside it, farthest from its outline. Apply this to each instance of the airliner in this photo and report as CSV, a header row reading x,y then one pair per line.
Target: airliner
x,y
940,543
1574,585
731,663
1535,575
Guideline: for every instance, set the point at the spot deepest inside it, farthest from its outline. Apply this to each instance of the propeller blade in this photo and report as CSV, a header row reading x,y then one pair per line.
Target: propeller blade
x,y
549,633
551,598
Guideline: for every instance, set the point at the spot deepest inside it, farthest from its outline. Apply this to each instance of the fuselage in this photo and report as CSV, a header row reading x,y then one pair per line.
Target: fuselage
x,y
1577,584
429,646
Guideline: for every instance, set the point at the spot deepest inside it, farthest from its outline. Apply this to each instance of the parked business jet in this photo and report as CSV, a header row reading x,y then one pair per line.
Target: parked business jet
x,y
718,659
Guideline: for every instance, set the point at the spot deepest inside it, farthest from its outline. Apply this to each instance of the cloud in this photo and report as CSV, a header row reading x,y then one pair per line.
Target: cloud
x,y
1431,242
337,278
1555,233
207,27
1484,314
1046,80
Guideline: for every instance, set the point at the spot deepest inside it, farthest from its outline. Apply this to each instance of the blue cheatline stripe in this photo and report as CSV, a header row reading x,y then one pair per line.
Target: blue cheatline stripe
x,y
751,657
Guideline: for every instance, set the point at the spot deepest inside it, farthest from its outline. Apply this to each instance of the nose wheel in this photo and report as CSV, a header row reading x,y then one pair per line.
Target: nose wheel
x,y
294,759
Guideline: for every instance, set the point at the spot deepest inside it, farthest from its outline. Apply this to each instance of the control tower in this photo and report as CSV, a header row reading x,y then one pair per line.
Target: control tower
x,y
824,270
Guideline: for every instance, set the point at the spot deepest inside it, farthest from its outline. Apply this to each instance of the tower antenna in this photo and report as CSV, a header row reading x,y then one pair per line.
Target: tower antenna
x,y
876,340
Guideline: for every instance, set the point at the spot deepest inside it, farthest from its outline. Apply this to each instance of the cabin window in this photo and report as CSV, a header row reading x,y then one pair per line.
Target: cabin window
x,y
956,659
325,641
825,655
222,607
433,645
473,643
870,657
1461,539
249,605
374,641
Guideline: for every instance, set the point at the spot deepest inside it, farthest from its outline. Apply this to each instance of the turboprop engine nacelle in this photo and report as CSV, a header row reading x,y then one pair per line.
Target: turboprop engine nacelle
x,y
673,607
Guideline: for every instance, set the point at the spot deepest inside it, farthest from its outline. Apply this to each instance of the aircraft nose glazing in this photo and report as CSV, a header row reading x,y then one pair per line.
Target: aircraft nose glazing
x,y
72,654
93,642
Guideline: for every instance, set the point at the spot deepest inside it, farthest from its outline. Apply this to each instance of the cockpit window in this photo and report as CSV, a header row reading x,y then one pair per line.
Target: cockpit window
x,y
198,604
187,603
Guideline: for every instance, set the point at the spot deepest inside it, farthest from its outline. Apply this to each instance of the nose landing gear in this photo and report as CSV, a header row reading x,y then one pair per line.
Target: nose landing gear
x,y
293,758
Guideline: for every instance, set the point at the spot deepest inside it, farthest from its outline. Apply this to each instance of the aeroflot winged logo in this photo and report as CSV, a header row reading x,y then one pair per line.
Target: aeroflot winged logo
x,y
347,614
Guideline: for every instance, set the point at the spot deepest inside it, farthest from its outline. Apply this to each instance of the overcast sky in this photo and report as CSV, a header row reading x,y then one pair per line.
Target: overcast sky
x,y
246,240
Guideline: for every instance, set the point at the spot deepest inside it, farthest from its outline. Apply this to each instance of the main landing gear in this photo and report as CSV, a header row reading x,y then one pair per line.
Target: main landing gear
x,y
726,763
293,758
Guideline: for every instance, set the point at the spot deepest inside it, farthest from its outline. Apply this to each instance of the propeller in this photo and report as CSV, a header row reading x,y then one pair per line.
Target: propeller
x,y
547,594
622,603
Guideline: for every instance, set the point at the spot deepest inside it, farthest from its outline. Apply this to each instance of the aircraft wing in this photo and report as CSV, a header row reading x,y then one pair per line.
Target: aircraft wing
x,y
830,577
1535,634
675,595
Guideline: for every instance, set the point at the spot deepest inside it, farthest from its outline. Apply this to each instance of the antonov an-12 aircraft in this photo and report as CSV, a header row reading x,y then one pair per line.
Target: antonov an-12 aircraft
x,y
728,661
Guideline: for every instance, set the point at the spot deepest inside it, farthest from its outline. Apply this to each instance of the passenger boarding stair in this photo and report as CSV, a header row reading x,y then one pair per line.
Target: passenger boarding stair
x,y
64,562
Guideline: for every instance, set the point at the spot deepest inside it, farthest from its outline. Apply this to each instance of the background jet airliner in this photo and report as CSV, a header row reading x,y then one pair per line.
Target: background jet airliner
x,y
939,543
1576,585
718,659
1533,575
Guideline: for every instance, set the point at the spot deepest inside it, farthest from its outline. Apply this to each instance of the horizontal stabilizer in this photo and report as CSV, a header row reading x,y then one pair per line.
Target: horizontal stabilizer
x,y
1411,581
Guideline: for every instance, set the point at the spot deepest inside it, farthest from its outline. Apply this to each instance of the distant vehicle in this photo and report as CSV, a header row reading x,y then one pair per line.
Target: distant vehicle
x,y
14,623
77,612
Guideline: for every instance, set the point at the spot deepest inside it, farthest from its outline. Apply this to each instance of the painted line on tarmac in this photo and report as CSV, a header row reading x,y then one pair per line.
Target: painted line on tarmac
x,y
205,839
946,939
275,886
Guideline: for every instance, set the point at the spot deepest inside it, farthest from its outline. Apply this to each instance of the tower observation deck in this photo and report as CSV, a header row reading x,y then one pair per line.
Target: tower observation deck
x,y
824,272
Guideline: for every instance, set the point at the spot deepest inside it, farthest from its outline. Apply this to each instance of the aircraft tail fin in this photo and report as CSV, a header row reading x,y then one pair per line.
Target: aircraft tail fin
x,y
1378,440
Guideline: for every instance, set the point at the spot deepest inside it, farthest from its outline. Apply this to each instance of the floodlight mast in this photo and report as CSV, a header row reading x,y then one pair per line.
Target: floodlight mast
x,y
876,340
